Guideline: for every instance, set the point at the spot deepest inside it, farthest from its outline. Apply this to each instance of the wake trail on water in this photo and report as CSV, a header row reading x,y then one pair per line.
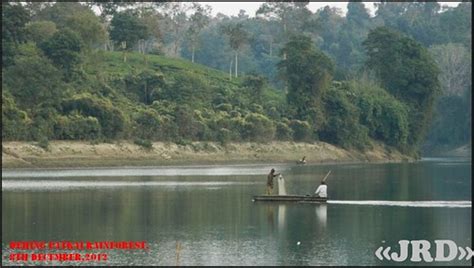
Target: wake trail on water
x,y
456,204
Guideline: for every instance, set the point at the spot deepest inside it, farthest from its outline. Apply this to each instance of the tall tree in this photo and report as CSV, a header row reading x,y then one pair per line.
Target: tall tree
x,y
14,19
308,73
292,15
454,61
176,22
350,53
357,13
64,50
88,26
77,17
408,72
456,24
126,29
214,50
60,12
390,12
451,126
330,20
198,20
107,9
153,20
35,8
237,38
421,21
284,12
34,82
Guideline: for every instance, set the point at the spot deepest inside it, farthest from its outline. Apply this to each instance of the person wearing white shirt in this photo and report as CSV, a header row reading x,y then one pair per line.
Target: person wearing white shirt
x,y
322,190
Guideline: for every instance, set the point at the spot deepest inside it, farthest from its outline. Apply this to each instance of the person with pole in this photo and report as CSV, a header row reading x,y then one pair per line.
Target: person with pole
x,y
323,188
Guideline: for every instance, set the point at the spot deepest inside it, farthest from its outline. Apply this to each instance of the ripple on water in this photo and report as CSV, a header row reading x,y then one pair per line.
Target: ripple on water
x,y
46,185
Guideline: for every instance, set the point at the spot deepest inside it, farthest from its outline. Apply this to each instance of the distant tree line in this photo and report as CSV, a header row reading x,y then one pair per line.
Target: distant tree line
x,y
396,77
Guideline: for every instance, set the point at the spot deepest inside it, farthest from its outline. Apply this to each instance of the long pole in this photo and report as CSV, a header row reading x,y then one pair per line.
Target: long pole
x,y
327,175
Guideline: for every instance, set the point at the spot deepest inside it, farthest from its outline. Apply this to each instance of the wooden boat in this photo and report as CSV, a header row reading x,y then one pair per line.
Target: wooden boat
x,y
289,198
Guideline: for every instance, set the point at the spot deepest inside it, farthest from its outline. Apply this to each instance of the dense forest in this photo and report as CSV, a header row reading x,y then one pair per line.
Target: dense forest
x,y
169,71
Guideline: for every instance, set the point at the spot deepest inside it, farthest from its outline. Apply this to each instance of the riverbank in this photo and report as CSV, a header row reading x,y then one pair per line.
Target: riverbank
x,y
62,154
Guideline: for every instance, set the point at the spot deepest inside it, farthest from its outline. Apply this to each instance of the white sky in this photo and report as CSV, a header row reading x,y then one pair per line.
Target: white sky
x,y
233,8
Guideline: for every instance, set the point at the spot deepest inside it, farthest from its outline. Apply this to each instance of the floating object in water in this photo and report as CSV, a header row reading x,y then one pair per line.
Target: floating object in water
x,y
298,243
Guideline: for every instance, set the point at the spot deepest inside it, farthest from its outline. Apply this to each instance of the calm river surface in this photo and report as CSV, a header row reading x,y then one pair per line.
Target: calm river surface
x,y
209,211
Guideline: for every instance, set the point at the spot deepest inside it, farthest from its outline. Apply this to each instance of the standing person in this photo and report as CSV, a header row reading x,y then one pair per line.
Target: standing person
x,y
322,190
270,177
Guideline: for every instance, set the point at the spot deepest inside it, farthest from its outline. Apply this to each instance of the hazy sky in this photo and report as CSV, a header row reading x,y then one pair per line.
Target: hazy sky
x,y
233,8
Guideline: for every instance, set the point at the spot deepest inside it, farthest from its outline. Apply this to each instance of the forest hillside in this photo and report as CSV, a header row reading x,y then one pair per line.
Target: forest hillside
x,y
147,72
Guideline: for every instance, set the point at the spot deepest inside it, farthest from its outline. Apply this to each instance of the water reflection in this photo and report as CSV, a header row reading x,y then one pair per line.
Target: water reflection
x,y
217,224
270,216
281,217
203,170
321,214
53,185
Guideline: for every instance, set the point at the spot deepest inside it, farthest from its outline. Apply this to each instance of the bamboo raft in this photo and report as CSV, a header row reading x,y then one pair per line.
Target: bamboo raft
x,y
292,198
289,198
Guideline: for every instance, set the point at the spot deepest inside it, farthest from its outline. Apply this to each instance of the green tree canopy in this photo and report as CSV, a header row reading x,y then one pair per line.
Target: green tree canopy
x,y
308,73
88,26
237,38
407,71
198,20
28,84
14,19
64,49
126,27
39,31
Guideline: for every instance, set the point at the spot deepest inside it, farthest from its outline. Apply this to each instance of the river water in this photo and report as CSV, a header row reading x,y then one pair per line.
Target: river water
x,y
207,211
